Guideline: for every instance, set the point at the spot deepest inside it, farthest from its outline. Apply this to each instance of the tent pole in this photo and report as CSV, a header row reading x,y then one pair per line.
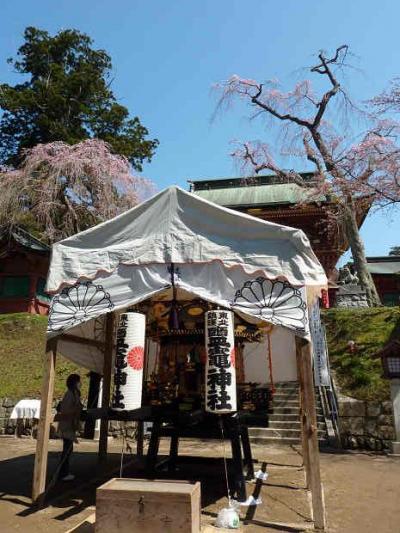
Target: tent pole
x,y
317,497
107,373
302,415
140,423
92,402
42,443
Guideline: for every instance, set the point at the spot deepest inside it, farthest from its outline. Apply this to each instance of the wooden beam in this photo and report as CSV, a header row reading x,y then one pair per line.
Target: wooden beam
x,y
302,415
107,374
42,443
311,427
81,340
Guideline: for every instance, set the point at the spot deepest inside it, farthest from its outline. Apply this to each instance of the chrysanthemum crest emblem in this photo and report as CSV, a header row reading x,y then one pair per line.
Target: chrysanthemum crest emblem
x,y
76,304
275,301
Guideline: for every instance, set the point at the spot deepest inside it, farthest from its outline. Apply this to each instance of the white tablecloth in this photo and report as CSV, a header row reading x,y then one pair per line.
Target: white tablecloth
x,y
26,409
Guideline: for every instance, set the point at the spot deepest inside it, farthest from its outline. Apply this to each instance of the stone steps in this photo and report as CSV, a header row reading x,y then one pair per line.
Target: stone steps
x,y
268,441
287,417
284,424
279,432
283,403
294,424
273,440
290,410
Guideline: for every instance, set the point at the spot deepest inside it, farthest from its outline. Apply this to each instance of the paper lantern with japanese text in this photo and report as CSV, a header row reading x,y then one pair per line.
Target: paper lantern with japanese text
x,y
220,364
129,358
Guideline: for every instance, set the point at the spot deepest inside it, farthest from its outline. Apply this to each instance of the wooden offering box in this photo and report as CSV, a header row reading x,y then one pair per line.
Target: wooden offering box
x,y
128,505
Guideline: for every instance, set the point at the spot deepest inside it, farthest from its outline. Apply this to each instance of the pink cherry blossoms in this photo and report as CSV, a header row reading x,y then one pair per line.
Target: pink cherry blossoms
x,y
67,188
318,128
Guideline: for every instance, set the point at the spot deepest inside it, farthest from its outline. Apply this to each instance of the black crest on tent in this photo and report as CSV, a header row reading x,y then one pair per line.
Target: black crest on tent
x,y
77,304
273,300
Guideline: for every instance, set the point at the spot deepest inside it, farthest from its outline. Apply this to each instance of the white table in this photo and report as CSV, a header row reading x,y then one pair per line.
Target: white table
x,y
26,409
23,410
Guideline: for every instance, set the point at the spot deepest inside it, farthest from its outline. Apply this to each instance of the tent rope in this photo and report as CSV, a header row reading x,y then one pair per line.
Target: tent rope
x,y
224,457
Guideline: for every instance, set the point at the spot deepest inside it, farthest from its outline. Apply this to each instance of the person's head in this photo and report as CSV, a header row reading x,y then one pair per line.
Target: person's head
x,y
74,381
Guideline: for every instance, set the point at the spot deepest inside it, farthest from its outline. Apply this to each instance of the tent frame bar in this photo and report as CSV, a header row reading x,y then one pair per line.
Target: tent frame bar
x,y
81,340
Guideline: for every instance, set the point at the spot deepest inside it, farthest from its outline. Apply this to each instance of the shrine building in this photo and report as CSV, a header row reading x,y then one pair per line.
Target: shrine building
x,y
385,271
276,200
24,262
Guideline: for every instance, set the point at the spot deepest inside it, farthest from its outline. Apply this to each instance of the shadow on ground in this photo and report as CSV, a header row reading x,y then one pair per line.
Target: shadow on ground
x,y
69,503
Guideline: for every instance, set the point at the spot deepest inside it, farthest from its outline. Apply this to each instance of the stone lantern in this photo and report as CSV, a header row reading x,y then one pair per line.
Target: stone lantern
x,y
390,357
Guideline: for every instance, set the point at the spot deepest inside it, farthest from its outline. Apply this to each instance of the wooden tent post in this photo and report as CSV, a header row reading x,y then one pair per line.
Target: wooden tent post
x,y
92,402
42,443
311,430
302,414
107,374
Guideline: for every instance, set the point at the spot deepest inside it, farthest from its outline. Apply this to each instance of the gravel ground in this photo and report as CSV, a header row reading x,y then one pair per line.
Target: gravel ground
x,y
362,491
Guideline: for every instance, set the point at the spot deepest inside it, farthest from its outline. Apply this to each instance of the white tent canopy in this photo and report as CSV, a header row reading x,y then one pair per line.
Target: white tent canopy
x,y
256,268
176,226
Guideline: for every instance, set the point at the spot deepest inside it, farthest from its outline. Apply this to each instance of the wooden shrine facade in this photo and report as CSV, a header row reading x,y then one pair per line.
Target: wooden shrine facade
x,y
385,272
270,198
24,262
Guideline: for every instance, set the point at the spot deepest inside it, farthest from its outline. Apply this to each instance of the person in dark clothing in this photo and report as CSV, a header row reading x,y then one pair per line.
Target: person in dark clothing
x,y
68,416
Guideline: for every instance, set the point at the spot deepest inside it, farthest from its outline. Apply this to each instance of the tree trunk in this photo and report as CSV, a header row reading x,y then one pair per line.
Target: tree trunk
x,y
358,253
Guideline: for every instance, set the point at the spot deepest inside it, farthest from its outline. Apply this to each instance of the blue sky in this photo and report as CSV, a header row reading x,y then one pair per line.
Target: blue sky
x,y
168,53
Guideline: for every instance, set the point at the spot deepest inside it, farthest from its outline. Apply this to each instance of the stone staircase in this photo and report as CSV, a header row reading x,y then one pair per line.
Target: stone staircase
x,y
284,423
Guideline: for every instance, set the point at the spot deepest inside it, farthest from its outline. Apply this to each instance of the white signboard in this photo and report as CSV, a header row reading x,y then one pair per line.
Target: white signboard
x,y
220,365
128,374
320,349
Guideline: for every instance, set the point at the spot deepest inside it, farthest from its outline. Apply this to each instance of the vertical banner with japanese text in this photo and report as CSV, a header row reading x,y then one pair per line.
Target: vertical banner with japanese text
x,y
128,374
220,365
320,348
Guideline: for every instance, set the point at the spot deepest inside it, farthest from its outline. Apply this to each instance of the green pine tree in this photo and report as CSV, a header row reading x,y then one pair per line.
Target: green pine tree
x,y
65,95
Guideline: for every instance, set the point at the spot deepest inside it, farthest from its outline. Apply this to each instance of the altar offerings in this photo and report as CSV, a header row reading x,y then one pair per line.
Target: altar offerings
x,y
220,366
128,375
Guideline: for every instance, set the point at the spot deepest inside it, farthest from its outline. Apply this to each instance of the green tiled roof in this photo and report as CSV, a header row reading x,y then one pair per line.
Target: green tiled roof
x,y
24,238
236,192
384,265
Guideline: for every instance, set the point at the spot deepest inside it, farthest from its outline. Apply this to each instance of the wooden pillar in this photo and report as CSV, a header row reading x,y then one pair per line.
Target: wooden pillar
x,y
107,374
92,402
140,438
42,444
302,415
311,427
32,294
240,373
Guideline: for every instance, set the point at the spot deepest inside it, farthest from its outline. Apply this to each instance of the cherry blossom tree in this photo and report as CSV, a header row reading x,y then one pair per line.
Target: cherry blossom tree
x,y
351,168
62,189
